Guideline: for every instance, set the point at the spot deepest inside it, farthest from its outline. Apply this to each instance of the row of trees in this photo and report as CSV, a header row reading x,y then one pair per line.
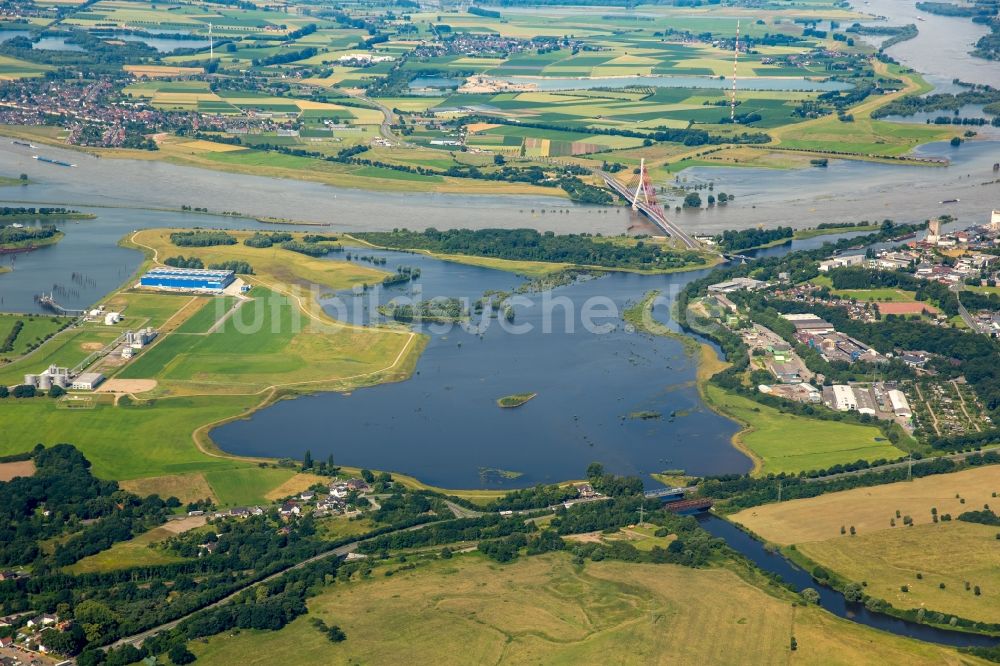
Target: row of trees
x,y
235,265
201,238
739,491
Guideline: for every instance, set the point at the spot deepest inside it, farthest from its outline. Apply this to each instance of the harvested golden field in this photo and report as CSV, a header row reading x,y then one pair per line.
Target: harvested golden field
x,y
872,509
952,553
545,610
185,487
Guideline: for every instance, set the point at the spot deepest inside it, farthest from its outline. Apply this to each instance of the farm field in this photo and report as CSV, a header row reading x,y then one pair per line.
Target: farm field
x,y
188,487
871,509
248,485
124,441
274,342
787,443
864,135
66,349
322,87
949,553
35,329
546,610
887,295
268,342
213,311
137,552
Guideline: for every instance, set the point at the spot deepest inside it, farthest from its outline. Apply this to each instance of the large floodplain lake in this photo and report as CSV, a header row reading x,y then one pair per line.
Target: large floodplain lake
x,y
444,426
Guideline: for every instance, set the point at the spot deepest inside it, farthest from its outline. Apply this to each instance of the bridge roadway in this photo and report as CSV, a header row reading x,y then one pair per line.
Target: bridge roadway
x,y
654,214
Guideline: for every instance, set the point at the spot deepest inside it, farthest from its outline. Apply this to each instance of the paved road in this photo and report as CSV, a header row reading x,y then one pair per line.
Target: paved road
x,y
969,320
388,119
461,511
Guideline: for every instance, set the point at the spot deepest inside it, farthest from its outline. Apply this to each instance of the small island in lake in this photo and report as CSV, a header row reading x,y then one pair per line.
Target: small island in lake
x,y
17,238
515,400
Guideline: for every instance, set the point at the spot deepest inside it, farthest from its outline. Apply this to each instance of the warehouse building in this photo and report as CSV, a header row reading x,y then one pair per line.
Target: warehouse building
x,y
844,399
187,279
88,381
900,405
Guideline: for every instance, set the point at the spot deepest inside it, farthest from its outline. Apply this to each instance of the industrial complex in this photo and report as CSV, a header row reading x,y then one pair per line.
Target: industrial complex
x,y
64,378
187,279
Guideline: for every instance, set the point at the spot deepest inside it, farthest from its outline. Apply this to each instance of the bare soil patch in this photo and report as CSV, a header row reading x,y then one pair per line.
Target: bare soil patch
x,y
12,470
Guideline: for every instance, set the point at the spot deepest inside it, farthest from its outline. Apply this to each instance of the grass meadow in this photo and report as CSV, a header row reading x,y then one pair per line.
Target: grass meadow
x,y
546,610
787,443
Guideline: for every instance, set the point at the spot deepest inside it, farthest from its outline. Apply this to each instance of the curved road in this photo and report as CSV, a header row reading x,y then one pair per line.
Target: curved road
x,y
388,119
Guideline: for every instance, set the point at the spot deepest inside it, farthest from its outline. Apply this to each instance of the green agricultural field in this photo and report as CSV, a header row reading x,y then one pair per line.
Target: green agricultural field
x,y
547,610
65,349
881,294
787,443
127,441
137,552
210,313
893,295
247,485
12,68
140,310
269,341
35,329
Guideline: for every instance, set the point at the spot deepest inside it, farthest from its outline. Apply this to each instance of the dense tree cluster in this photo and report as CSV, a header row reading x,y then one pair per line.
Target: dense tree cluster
x,y
10,211
911,104
537,497
64,487
440,309
236,266
310,249
528,244
612,485
284,57
10,235
201,238
983,517
181,261
744,239
262,240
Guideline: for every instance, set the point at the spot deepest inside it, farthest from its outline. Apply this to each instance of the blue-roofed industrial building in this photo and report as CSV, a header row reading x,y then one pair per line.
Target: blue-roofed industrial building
x,y
187,279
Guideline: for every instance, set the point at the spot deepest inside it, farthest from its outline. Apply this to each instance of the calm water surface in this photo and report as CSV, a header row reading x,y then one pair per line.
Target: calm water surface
x,y
443,424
